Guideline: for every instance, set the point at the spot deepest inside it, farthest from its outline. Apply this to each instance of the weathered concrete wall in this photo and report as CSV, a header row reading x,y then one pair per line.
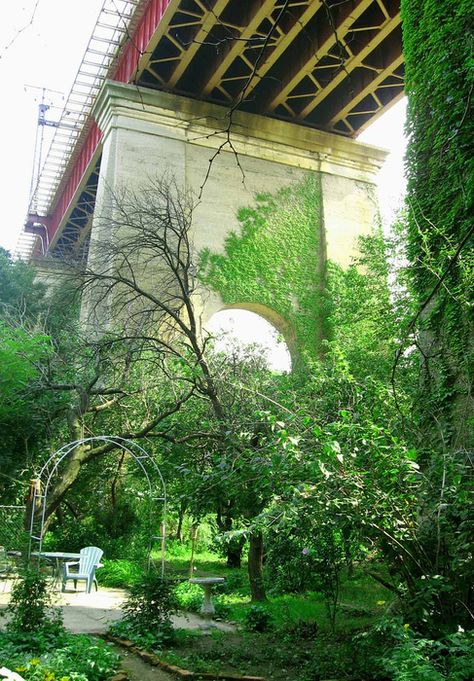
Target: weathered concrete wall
x,y
148,133
53,274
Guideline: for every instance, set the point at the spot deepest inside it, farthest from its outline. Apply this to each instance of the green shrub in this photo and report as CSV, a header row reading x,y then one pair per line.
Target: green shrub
x,y
257,618
33,618
301,630
222,610
290,563
189,596
147,612
421,659
235,582
77,658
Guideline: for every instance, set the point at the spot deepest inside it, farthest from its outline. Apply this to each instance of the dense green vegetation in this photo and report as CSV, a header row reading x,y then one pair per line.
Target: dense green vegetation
x,y
291,635
35,644
277,261
336,500
306,485
438,47
438,41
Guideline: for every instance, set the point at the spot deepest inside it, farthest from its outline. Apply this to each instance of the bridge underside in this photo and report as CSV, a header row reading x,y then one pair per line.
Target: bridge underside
x,y
330,65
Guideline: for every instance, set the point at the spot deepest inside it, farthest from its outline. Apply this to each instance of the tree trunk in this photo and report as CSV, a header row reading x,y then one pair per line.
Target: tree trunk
x,y
234,552
234,546
255,567
346,537
179,528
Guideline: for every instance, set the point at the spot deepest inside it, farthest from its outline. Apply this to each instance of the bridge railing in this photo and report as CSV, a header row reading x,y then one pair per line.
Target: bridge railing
x,y
113,28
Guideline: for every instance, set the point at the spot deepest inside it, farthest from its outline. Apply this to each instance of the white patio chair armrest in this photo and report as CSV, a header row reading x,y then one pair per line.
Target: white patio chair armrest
x,y
9,675
71,562
99,565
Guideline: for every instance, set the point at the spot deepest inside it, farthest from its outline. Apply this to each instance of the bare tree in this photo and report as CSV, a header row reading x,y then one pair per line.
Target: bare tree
x,y
142,332
144,346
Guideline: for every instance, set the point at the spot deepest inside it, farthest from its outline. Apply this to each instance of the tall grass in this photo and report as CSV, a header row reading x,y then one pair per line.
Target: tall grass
x,y
362,600
119,574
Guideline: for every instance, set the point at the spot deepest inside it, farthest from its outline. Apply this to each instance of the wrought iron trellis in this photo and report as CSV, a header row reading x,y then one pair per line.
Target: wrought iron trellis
x,y
42,481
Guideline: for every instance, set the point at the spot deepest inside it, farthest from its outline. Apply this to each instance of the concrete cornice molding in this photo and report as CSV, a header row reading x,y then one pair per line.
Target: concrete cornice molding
x,y
203,124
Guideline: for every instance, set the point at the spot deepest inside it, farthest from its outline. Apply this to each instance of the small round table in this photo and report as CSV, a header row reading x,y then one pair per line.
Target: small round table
x,y
207,608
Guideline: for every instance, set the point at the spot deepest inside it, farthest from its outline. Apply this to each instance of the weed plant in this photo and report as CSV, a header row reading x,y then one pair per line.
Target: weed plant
x,y
33,619
147,612
36,645
120,573
72,657
258,618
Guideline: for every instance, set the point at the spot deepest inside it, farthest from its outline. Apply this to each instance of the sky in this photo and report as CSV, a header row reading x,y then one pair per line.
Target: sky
x,y
248,329
47,48
41,46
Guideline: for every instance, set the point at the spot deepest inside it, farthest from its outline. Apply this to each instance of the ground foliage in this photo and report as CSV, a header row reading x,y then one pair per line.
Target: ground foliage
x,y
147,611
36,645
290,637
68,658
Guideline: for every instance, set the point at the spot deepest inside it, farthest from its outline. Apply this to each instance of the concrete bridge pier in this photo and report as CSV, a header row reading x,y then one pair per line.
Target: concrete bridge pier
x,y
148,133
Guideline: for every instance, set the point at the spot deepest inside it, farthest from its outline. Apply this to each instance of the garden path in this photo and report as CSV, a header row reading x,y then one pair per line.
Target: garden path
x,y
138,670
92,613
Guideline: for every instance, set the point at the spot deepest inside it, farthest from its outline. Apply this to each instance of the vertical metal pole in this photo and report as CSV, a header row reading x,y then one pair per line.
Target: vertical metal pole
x,y
163,541
39,140
34,492
194,530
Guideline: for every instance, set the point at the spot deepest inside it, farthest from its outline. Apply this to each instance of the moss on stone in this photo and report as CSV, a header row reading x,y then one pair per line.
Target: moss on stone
x,y
277,260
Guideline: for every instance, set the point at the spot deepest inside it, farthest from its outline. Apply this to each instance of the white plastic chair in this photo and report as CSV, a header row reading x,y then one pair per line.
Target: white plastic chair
x,y
87,565
8,675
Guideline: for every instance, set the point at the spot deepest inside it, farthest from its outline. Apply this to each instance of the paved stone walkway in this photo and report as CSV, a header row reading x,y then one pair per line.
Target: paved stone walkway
x,y
92,613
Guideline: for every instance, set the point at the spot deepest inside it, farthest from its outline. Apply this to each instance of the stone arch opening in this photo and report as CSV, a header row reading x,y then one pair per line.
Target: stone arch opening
x,y
254,324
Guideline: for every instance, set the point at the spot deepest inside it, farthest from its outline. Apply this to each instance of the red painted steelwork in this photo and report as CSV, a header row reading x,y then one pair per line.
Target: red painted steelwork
x,y
134,49
80,166
125,70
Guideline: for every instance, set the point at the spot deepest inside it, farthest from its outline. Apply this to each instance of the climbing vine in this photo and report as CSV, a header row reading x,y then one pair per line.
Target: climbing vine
x,y
438,46
438,42
276,261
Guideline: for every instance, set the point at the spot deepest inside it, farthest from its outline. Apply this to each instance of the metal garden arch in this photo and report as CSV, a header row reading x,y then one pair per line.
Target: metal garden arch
x,y
145,462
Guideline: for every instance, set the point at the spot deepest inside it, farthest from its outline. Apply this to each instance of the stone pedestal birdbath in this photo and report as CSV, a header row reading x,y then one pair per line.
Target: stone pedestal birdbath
x,y
207,608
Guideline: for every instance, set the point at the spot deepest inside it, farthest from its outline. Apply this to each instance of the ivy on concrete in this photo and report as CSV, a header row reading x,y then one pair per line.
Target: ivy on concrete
x,y
276,260
438,42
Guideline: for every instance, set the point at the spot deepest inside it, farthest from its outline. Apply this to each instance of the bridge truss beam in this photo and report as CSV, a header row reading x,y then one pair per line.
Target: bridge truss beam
x,y
334,65
289,59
